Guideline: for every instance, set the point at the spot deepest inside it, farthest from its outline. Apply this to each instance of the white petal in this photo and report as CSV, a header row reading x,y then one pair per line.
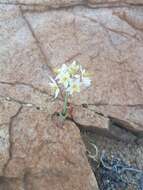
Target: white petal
x,y
56,93
77,76
52,80
74,62
86,81
64,68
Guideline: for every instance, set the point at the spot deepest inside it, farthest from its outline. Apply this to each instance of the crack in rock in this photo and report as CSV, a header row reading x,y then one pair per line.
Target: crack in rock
x,y
43,8
40,47
11,99
129,20
10,139
128,125
15,83
43,54
100,121
87,3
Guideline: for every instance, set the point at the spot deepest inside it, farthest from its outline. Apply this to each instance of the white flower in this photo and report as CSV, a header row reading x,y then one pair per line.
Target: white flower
x,y
86,81
63,76
83,72
64,79
77,76
62,70
71,78
74,86
73,68
54,87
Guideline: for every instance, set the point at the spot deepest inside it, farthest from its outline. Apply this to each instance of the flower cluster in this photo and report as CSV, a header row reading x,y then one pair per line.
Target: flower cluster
x,y
70,78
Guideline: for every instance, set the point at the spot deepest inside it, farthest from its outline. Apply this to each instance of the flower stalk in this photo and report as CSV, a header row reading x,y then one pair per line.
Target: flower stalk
x,y
64,112
70,79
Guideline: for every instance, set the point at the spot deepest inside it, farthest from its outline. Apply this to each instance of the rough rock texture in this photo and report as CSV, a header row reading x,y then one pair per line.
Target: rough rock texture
x,y
37,154
34,39
109,43
65,3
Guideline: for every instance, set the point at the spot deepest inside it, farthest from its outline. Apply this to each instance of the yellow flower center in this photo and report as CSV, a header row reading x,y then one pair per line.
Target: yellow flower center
x,y
75,88
65,78
56,71
86,74
72,71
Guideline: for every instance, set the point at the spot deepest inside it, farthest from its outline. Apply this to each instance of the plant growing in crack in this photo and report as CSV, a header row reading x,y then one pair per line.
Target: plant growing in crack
x,y
69,79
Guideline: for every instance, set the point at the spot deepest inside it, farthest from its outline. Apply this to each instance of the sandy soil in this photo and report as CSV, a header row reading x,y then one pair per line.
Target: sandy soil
x,y
130,150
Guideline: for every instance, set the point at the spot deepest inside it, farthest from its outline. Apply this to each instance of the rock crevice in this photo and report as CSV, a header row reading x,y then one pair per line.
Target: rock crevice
x,y
10,139
36,37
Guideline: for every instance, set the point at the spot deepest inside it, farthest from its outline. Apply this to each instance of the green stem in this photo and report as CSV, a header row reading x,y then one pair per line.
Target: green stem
x,y
64,112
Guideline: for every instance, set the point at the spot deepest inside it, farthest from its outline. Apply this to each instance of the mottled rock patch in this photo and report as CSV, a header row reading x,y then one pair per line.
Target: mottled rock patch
x,y
36,37
36,153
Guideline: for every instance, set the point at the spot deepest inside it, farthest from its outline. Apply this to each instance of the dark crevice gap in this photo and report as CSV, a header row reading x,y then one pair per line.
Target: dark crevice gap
x,y
126,126
124,150
115,131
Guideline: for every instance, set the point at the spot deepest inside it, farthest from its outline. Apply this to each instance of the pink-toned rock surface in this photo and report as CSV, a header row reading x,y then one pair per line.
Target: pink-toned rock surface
x,y
109,43
35,153
66,3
